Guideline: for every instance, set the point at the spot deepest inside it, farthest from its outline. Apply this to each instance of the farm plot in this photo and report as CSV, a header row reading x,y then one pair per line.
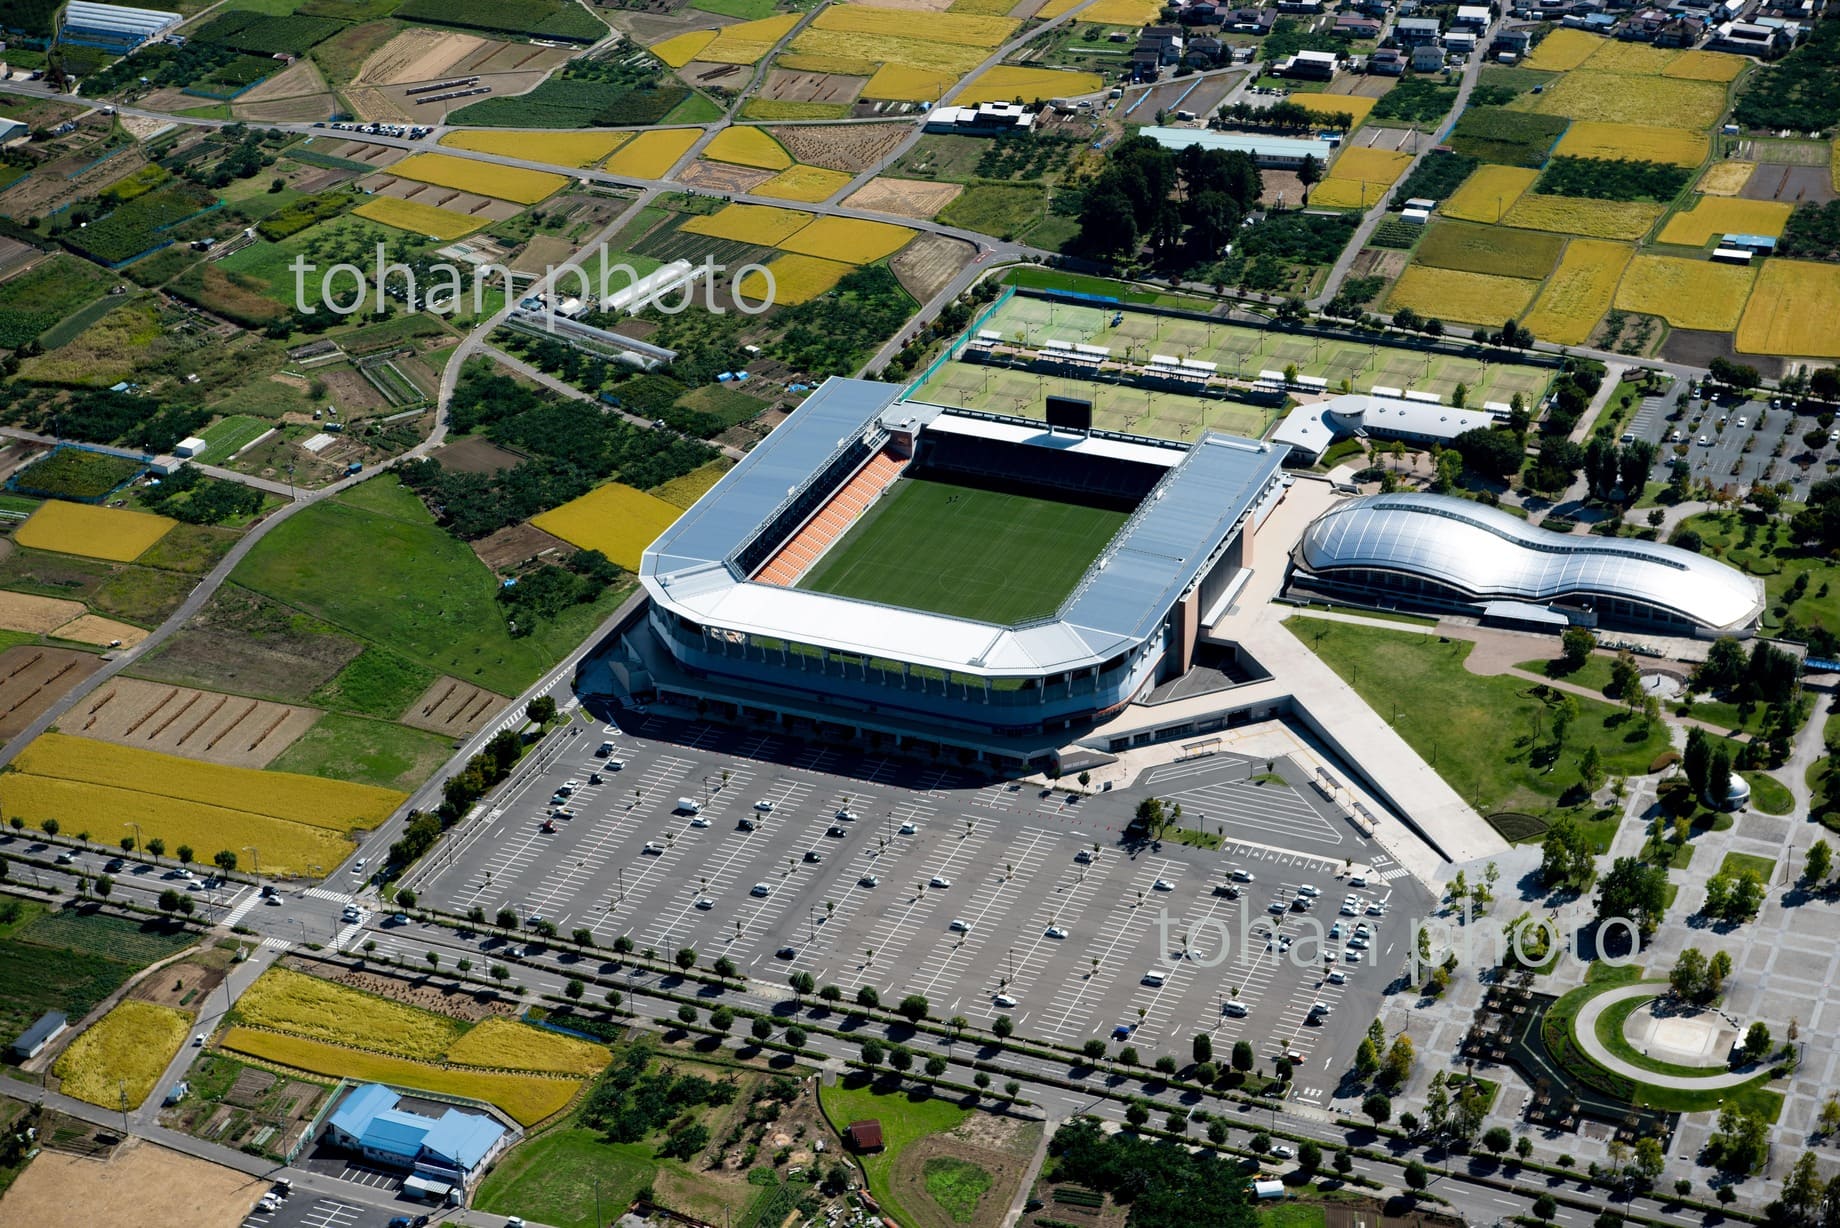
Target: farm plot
x,y
796,279
539,18
481,209
682,49
899,83
262,34
1725,178
766,225
1488,194
651,155
558,148
116,1061
928,264
413,216
1489,249
228,729
1338,193
1635,59
102,632
822,89
512,183
841,147
1685,293
1469,298
1563,50
1590,139
748,41
49,291
722,178
685,491
452,707
502,1044
1705,66
109,533
1792,311
848,239
617,520
1577,215
1659,102
1711,216
1508,138
1356,106
33,678
282,1000
905,197
746,146
1579,292
36,615
1371,165
804,183
850,37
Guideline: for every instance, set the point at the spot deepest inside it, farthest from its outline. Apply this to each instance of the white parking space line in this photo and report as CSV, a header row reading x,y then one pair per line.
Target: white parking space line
x,y
944,970
1118,937
914,907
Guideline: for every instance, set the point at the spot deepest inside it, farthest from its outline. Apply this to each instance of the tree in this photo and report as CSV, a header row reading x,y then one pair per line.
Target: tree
x,y
582,936
935,1066
1309,174
1128,1055
184,853
1688,976
1567,858
1803,1191
1242,1055
156,846
1203,1047
574,989
1378,1107
1523,1147
1399,1059
1093,1049
1718,970
169,900
1417,1176
1818,863
406,898
1437,1103
901,1058
762,1029
1003,1027
1136,1113
541,710
1366,1057
1757,1040
1740,1141
913,1006
722,1019
1576,646
507,919
1591,769
1497,1139
1718,775
867,996
1649,1161
1309,1157
796,1037
1545,1207
1635,891
686,1013
50,826
830,993
803,983
104,884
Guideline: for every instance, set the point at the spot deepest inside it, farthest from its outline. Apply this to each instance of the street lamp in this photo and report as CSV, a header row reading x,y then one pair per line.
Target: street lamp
x,y
138,842
256,856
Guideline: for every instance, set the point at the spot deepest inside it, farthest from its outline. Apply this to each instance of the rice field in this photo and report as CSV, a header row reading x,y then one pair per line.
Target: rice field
x,y
749,41
111,533
1329,104
1563,50
1338,193
1792,311
559,148
1579,291
1006,82
1636,59
844,65
807,183
1591,219
501,1044
680,49
861,52
796,278
747,146
1686,293
617,520
1659,102
899,83
848,240
956,28
1725,178
1501,251
1705,66
117,1060
651,155
1591,139
417,218
765,225
1467,298
1489,193
684,491
1371,165
1711,216
1122,12
302,1005
486,179
528,1098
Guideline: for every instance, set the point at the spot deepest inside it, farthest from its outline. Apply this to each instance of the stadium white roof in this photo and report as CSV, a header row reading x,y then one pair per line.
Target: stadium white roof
x,y
1116,606
1492,555
85,15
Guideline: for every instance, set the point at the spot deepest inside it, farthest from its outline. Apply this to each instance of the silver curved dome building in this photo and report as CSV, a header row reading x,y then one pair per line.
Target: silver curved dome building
x,y
1442,553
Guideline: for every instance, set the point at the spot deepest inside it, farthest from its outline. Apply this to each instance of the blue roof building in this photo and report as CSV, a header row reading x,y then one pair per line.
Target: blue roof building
x,y
454,1148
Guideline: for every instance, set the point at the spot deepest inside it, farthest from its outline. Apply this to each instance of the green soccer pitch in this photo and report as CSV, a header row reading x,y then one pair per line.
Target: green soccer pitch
x,y
965,552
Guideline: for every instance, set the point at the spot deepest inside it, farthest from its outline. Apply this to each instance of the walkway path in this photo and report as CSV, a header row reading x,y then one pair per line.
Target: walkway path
x,y
1584,1032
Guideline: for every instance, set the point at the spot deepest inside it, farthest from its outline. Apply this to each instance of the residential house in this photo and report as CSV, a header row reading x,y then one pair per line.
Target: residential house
x,y
1206,49
1643,26
1146,65
1300,7
1248,21
1747,38
1427,59
1474,17
1387,62
1352,25
1417,32
1515,42
1681,33
1201,15
1309,66
985,119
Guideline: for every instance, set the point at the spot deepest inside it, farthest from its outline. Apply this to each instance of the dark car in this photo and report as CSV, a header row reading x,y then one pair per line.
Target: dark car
x,y
787,952
838,830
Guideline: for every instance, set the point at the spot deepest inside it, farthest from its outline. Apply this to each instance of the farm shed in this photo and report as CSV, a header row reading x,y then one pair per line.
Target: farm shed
x,y
865,1135
33,1040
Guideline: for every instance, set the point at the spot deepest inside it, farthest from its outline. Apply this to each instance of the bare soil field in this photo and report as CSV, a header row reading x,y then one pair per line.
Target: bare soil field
x,y
196,724
722,177
786,86
453,707
65,1191
53,185
419,53
1280,185
929,262
1698,348
319,181
364,151
706,72
470,1005
541,253
301,77
16,454
197,974
32,679
302,109
843,147
1362,86
517,544
1795,184
246,643
25,612
470,203
100,631
16,257
394,103
1000,1146
1370,137
906,197
475,455
350,391
1379,262
1784,153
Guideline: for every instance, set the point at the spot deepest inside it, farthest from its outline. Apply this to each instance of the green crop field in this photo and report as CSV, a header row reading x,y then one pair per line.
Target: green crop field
x,y
365,752
966,552
70,961
1490,249
38,298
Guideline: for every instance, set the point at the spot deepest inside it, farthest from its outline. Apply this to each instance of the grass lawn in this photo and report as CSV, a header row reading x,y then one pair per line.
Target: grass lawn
x,y
1819,605
552,1178
365,751
1594,673
1001,209
1769,794
1763,867
373,562
1610,1033
1292,1215
966,552
70,961
1478,733
956,1185
226,436
376,683
905,1118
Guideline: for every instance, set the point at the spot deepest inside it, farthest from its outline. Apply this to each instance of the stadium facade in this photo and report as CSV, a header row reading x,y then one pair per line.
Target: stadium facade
x,y
731,626
1445,554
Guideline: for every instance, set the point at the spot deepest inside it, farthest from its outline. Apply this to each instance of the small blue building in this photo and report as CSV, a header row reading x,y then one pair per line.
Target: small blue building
x,y
453,1149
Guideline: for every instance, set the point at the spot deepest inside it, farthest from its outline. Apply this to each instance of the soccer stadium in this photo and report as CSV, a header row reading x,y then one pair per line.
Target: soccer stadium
x,y
905,572
1436,552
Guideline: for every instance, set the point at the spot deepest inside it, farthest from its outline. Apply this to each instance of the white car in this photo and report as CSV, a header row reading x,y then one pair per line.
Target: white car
x,y
960,925
939,880
761,890
704,903
653,848
1320,1008
699,821
198,1041
1162,884
1308,890
1284,1151
1361,930
1705,442
869,880
1084,856
1833,436
1004,999
1376,910
1353,957
1241,876
908,828
848,816
764,806
1349,910
1338,977
357,867
1054,931
1743,421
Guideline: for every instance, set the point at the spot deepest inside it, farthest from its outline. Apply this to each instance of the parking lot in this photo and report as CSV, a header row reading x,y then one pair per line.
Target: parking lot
x,y
988,897
304,1210
1741,442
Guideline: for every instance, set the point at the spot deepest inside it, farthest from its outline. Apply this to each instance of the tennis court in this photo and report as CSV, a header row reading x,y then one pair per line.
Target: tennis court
x,y
965,551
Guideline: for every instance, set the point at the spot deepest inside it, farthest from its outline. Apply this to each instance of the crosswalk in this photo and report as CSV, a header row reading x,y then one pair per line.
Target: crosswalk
x,y
326,893
276,944
250,898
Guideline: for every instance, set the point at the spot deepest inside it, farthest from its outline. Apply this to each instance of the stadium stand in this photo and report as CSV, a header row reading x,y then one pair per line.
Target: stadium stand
x,y
1098,481
832,520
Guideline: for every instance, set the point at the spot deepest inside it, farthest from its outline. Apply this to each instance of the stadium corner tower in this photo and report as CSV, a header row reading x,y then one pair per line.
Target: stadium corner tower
x,y
900,573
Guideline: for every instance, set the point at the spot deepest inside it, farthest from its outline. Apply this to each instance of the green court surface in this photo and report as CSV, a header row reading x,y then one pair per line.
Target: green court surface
x,y
965,552
1237,349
